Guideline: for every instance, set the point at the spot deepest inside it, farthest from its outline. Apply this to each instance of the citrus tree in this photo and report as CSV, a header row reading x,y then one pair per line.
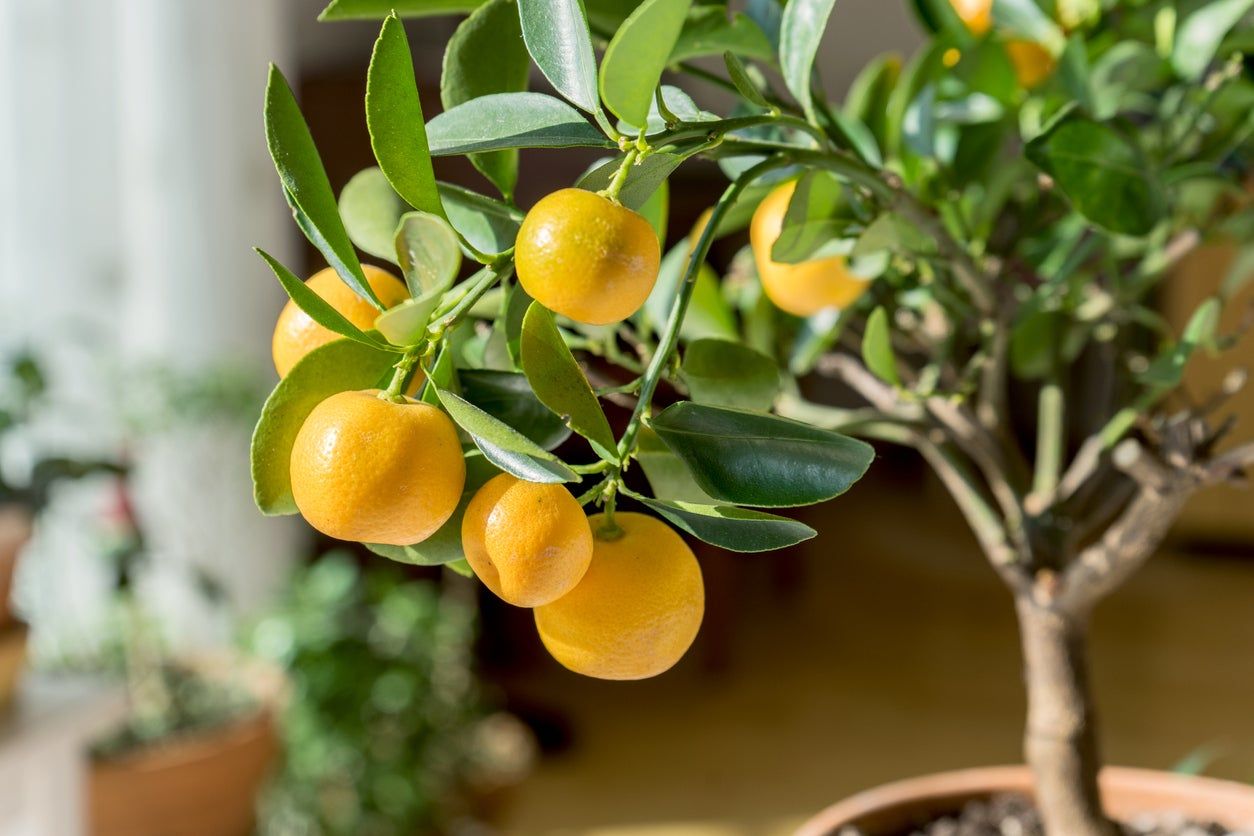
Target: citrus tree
x,y
970,241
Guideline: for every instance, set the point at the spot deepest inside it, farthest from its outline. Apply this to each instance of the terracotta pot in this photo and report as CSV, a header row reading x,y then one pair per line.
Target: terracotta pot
x,y
894,808
12,659
15,530
200,785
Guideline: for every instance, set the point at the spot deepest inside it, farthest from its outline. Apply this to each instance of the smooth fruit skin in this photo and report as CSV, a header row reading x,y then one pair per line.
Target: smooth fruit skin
x,y
529,543
585,257
374,471
295,334
801,289
636,611
976,14
1033,63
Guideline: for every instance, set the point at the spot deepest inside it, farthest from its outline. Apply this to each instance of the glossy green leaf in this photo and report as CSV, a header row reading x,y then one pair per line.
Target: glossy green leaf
x,y
726,373
813,220
316,307
708,31
669,478
557,37
732,528
428,252
1104,175
339,366
512,120
801,30
559,382
406,324
637,54
656,210
642,180
504,446
1202,31
487,55
744,84
394,118
379,9
486,224
445,546
868,96
751,459
877,348
306,186
508,397
371,209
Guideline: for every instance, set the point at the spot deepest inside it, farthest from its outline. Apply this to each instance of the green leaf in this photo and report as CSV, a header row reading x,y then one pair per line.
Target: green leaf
x,y
751,459
406,324
379,9
656,210
486,224
336,367
877,348
428,252
486,55
1200,34
306,186
556,35
504,446
800,32
1104,175
445,546
642,180
316,307
708,314
1026,18
745,85
394,118
709,32
636,56
508,397
512,120
560,384
669,478
726,373
371,210
732,528
813,220
868,96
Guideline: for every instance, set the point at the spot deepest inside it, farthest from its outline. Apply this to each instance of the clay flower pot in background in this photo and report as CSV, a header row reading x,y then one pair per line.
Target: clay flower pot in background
x,y
15,531
896,808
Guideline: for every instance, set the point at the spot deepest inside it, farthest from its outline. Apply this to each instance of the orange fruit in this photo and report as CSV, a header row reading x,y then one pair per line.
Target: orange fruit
x,y
586,257
1033,62
370,470
529,543
295,334
976,14
636,611
805,288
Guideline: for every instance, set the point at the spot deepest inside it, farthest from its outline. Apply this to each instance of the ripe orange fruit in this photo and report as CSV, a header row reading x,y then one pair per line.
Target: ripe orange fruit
x,y
636,611
976,14
295,334
529,543
374,471
583,256
1033,62
805,288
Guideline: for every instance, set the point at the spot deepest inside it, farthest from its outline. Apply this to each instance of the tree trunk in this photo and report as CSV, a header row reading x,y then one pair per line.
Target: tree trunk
x,y
1060,741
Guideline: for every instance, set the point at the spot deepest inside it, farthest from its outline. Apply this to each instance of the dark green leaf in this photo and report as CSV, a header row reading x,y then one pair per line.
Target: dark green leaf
x,y
371,210
394,117
708,31
642,180
560,384
1200,34
1104,175
340,366
508,397
656,210
750,459
504,446
739,76
556,34
877,348
511,120
814,219
379,9
732,528
727,373
306,186
487,55
801,30
669,478
632,66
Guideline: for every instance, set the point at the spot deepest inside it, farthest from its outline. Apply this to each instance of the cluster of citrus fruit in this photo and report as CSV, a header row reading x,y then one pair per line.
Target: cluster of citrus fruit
x,y
615,596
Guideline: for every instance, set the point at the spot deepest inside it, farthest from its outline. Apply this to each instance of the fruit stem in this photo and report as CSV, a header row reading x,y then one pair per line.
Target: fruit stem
x,y
404,369
609,530
620,177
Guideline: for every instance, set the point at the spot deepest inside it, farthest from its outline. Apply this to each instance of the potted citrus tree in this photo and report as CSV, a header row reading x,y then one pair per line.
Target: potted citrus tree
x,y
970,241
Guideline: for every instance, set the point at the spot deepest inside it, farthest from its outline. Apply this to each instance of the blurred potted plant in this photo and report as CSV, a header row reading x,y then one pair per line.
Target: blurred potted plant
x,y
386,730
981,228
22,498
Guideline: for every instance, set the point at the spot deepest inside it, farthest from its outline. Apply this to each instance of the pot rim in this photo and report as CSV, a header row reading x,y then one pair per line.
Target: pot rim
x,y
193,746
1128,791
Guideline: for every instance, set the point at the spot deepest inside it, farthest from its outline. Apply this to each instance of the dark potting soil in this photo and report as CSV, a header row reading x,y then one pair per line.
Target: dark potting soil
x,y
1014,815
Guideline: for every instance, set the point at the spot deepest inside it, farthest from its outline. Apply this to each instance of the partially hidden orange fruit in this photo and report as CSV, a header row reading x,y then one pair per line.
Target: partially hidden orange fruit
x,y
373,471
805,288
976,14
295,334
637,609
586,257
529,543
1033,62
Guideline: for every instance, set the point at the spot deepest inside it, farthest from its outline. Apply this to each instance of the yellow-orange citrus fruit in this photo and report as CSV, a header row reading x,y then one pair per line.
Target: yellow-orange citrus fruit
x,y
370,470
295,334
1033,62
805,288
636,611
586,257
529,543
976,14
